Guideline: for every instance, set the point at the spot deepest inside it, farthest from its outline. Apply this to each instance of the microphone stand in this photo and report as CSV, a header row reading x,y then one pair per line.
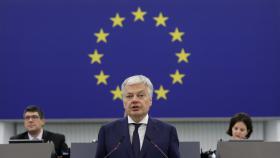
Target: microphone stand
x,y
115,148
157,147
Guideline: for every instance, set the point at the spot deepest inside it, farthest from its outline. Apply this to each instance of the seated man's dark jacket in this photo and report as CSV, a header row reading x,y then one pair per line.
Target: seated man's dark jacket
x,y
117,132
57,139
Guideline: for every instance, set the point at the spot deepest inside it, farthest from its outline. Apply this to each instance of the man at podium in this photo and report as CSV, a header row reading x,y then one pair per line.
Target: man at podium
x,y
33,123
137,135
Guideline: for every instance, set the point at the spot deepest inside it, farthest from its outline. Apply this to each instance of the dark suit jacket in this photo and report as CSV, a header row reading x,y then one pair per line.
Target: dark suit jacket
x,y
57,139
162,134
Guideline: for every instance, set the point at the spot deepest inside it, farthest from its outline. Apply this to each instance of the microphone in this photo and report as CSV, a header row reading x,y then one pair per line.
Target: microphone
x,y
157,147
115,148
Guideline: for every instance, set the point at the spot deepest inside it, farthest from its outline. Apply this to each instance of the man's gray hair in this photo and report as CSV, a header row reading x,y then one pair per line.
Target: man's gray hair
x,y
136,79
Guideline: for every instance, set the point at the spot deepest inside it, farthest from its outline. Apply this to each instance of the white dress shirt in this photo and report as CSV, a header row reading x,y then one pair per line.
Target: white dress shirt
x,y
39,136
141,129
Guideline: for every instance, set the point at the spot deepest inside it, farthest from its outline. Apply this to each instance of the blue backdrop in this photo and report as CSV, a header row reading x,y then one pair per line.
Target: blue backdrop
x,y
205,58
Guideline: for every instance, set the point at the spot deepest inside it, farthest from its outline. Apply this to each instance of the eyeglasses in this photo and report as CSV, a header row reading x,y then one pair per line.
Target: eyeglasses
x,y
33,117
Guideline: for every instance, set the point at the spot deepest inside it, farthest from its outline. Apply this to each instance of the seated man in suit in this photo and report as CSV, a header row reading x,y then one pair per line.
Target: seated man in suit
x,y
137,135
34,122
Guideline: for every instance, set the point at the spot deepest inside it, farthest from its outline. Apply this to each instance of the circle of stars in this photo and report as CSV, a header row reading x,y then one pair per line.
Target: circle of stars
x,y
160,21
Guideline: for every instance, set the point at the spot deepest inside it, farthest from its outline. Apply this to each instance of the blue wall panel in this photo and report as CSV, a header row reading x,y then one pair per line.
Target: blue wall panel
x,y
233,64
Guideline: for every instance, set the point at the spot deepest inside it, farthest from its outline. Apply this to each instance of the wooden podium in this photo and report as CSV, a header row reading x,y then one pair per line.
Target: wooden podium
x,y
32,150
248,149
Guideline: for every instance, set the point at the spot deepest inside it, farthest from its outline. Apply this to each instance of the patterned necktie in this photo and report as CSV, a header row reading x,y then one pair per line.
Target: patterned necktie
x,y
136,141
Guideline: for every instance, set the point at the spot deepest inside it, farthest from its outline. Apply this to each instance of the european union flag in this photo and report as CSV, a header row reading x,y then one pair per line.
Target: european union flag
x,y
205,59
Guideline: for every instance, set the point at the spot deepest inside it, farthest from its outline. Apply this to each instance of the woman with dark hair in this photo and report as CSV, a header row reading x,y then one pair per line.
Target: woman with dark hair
x,y
240,126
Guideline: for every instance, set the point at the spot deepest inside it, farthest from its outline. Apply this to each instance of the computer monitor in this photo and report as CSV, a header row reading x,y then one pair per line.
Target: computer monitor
x,y
248,149
27,150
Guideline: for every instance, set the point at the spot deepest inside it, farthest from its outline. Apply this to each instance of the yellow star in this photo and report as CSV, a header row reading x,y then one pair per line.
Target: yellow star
x,y
101,36
95,57
139,14
177,35
117,93
117,20
161,20
101,78
177,77
161,93
183,56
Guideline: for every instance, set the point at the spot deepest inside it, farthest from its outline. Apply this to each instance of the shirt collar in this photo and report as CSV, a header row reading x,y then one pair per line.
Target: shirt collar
x,y
38,137
143,121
